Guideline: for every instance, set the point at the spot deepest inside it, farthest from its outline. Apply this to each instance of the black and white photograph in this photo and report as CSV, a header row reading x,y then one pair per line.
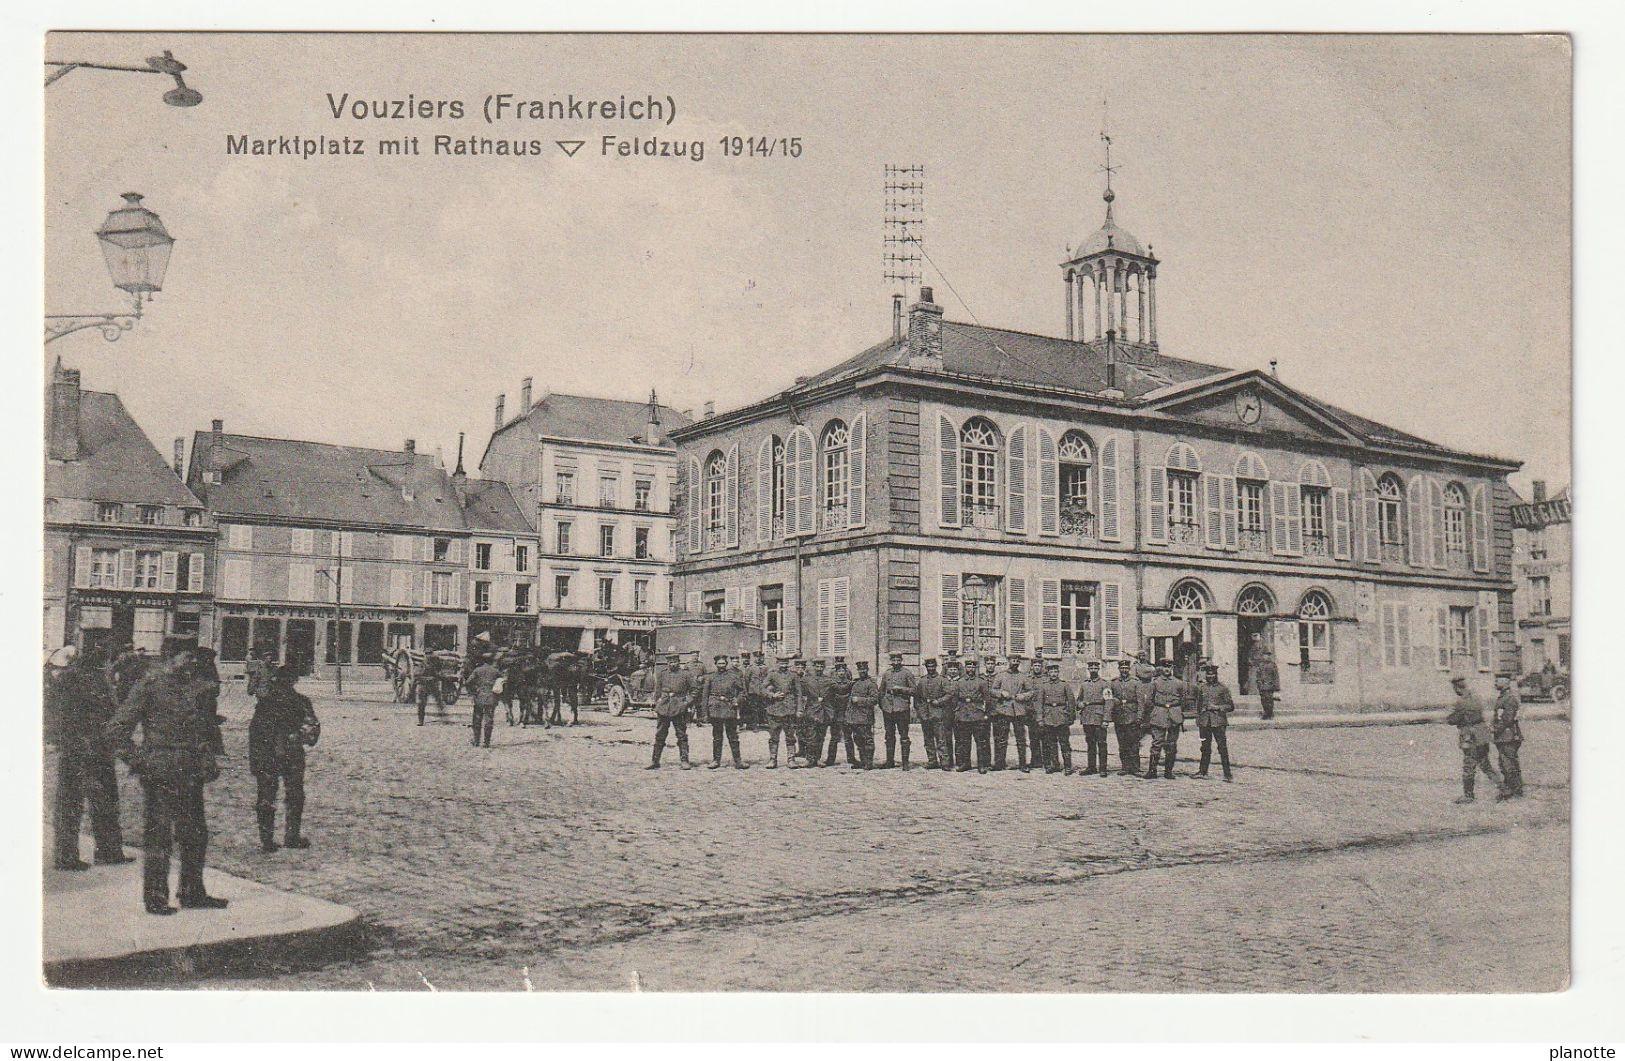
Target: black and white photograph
x,y
865,514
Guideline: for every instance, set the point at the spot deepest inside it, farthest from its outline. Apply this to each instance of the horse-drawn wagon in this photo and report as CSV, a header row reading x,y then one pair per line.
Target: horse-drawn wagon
x,y
407,668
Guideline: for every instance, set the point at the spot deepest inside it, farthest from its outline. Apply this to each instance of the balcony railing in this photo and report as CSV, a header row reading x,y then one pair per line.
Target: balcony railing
x,y
1316,545
833,518
1252,541
982,517
715,538
1181,532
1393,552
1456,559
1077,520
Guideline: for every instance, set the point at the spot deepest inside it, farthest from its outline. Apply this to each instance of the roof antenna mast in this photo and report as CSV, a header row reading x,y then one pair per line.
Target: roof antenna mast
x,y
903,242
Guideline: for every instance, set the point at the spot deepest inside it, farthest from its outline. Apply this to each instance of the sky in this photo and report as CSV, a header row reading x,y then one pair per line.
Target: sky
x,y
1387,217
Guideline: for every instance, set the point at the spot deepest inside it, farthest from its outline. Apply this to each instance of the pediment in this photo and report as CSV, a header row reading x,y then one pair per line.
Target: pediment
x,y
1251,402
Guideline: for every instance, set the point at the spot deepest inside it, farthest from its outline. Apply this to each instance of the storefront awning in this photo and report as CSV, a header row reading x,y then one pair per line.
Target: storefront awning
x,y
1164,626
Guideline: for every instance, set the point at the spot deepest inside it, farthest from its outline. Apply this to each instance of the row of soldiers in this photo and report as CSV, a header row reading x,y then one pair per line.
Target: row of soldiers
x,y
968,716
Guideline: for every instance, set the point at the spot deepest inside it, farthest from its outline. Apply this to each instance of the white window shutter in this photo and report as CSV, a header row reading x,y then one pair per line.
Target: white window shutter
x,y
1389,634
167,572
1294,518
947,472
1110,525
730,498
1340,523
764,490
81,567
857,447
1050,604
397,586
747,604
1017,593
692,602
1370,518
1213,510
806,515
126,569
950,613
840,617
1049,484
1416,509
1402,613
1227,489
1278,533
1015,494
1488,620
1436,522
1481,528
1441,633
824,612
730,602
1483,628
694,500
1111,620
792,619
1156,505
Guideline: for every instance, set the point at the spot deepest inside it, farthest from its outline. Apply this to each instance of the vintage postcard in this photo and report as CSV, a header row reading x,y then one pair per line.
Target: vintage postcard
x,y
806,513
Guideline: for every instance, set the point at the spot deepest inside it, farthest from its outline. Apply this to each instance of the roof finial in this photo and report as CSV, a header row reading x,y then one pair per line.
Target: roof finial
x,y
1108,168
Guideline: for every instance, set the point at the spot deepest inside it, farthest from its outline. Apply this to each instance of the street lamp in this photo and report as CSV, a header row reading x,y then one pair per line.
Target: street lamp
x,y
181,95
977,594
137,247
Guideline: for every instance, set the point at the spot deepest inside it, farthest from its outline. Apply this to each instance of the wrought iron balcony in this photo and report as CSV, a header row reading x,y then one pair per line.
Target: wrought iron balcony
x,y
982,517
1252,541
1184,533
1316,545
833,518
1077,521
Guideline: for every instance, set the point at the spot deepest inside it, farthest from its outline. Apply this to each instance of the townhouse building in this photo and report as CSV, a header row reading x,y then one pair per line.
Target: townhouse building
x,y
596,477
335,556
970,489
1543,577
128,548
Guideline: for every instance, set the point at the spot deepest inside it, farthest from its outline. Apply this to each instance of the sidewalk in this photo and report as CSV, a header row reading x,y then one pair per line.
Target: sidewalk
x,y
1330,720
96,932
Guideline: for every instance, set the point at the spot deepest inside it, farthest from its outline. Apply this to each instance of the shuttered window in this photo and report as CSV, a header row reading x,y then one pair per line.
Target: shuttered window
x,y
947,472
1050,605
858,469
1111,620
949,613
1049,484
1016,589
1015,519
1110,517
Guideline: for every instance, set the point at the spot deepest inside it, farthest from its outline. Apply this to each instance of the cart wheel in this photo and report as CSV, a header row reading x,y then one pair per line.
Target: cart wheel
x,y
1559,692
617,700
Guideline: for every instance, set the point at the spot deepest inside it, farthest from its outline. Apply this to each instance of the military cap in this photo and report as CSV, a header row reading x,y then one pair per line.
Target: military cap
x,y
898,656
840,661
954,662
1093,664
931,664
720,657
863,664
674,657
820,664
799,661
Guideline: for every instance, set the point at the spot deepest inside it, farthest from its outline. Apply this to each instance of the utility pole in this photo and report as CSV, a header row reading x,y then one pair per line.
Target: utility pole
x,y
335,575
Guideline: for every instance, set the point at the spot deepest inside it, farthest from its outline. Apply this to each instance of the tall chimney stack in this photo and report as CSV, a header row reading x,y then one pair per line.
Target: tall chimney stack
x,y
925,332
410,445
64,414
180,458
501,400
524,396
1539,486
651,433
897,318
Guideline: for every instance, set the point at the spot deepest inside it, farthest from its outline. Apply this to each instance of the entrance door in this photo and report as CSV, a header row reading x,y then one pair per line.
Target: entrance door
x,y
1188,650
1246,627
301,644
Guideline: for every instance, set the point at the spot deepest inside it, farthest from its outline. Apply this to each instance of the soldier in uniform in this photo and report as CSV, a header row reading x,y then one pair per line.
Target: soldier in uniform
x,y
779,697
926,692
696,671
1126,718
284,723
817,711
1213,707
1266,675
258,672
971,720
1056,709
1163,714
1473,735
755,713
174,763
724,692
1507,735
837,692
896,702
428,682
1010,713
945,711
674,695
803,722
1094,694
862,699
482,686
78,706
1144,675
129,667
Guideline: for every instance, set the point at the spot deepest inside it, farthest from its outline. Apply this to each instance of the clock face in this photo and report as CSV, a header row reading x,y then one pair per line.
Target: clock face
x,y
1248,407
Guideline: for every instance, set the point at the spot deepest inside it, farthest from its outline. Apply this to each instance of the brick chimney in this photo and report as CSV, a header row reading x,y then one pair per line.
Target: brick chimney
x,y
1539,487
409,477
925,332
524,396
501,400
410,445
64,425
180,458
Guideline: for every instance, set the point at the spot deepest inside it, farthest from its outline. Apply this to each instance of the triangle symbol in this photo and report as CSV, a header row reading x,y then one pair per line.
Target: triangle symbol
x,y
570,147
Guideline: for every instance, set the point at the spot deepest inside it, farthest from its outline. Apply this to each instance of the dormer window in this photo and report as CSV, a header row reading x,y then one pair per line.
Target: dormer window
x,y
109,512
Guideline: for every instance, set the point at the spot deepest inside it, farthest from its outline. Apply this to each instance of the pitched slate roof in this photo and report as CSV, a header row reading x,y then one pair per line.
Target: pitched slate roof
x,y
596,419
117,462
289,479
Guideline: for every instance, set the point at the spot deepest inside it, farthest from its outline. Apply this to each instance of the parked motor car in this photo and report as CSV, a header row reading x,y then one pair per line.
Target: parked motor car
x,y
1550,685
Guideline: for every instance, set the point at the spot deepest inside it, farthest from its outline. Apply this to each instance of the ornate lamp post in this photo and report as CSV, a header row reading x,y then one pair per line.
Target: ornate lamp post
x,y
181,95
977,595
137,248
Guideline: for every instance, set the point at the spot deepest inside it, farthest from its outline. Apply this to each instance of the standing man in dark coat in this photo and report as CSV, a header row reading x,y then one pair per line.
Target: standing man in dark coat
x,y
1010,714
1213,707
779,695
482,686
896,704
1508,735
284,723
724,695
78,706
861,701
1473,736
675,693
945,711
129,666
971,720
1094,694
174,763
838,694
1057,708
1163,714
208,675
926,692
427,680
817,710
1126,718
1266,675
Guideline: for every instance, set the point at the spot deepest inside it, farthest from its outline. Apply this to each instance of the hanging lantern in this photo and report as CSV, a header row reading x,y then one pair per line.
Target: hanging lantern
x,y
136,247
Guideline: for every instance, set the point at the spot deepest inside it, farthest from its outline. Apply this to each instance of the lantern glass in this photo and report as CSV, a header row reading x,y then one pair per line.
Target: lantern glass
x,y
136,247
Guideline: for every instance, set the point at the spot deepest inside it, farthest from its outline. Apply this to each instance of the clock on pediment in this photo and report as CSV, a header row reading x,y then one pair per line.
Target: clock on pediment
x,y
1248,406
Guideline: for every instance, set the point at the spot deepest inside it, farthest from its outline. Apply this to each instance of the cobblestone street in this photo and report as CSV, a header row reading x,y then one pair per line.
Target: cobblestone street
x,y
1336,862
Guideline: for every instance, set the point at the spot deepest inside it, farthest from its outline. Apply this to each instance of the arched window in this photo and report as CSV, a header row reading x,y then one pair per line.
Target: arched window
x,y
979,473
1455,525
1255,600
1077,461
1187,598
1252,485
1391,512
716,482
1314,629
836,471
1315,505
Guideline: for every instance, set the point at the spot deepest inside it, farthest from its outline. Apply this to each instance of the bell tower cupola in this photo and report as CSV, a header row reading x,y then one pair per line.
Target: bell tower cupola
x,y
1111,285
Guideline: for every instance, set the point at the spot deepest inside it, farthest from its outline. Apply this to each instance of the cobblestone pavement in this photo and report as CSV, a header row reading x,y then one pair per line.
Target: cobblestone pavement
x,y
1336,862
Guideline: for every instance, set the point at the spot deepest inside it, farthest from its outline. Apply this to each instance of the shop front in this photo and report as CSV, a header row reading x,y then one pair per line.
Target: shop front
x,y
515,631
317,641
111,619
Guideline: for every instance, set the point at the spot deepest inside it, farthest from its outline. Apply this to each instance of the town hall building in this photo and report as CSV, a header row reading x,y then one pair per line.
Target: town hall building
x,y
966,489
